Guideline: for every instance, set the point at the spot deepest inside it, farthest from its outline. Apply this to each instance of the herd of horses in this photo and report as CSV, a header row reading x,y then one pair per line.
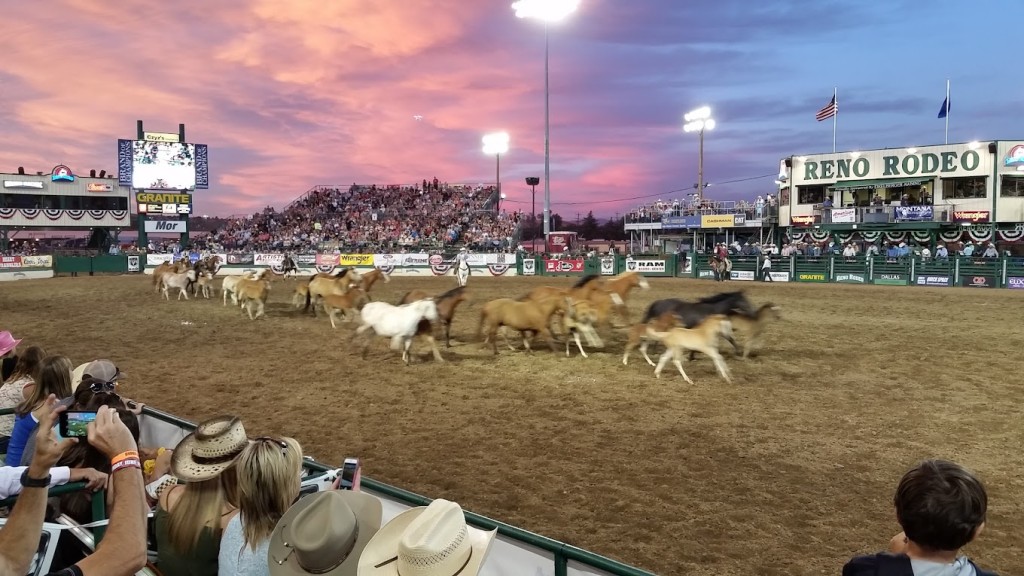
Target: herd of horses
x,y
576,313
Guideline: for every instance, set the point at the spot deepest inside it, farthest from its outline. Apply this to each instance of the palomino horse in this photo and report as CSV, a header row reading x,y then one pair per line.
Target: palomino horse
x,y
588,288
370,278
180,281
323,284
722,268
702,338
462,272
446,305
691,314
529,318
167,268
205,284
400,323
579,318
252,292
229,284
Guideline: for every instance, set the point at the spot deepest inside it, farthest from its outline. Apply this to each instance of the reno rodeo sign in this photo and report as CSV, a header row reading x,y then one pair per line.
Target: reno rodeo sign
x,y
942,161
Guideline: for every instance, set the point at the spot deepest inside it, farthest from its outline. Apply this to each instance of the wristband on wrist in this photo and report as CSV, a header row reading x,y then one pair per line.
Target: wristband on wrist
x,y
124,455
126,463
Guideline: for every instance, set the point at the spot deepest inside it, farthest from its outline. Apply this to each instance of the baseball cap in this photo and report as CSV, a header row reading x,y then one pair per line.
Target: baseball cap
x,y
100,369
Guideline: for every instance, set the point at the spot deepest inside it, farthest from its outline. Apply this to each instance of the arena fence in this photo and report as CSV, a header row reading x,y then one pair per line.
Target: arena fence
x,y
966,271
515,551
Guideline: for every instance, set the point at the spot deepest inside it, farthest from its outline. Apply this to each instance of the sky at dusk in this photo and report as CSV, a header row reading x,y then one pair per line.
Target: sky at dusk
x,y
290,94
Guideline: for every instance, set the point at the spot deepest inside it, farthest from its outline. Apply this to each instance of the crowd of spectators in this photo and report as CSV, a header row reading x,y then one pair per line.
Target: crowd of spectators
x,y
369,218
760,207
222,503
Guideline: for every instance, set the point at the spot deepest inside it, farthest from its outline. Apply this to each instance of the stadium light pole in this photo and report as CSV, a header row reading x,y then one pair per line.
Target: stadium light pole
x,y
496,144
698,121
532,182
550,12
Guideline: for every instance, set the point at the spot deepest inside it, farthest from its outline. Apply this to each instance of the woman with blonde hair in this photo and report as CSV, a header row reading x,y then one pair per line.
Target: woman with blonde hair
x,y
269,478
190,518
54,378
17,385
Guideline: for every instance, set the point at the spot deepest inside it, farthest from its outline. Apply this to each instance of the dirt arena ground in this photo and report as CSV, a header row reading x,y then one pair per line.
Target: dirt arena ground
x,y
790,470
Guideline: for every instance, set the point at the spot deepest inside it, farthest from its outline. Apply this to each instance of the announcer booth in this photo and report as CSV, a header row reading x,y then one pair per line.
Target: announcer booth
x,y
163,171
62,199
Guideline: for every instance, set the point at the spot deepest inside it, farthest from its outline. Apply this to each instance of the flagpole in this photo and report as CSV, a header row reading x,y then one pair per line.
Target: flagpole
x,y
947,111
835,116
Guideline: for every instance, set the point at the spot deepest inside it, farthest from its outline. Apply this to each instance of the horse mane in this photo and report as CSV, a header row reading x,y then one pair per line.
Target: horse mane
x,y
586,280
721,297
450,294
342,273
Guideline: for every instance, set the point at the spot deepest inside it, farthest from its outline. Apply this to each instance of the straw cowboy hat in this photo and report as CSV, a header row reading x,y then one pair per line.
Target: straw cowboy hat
x,y
324,533
210,450
429,540
7,342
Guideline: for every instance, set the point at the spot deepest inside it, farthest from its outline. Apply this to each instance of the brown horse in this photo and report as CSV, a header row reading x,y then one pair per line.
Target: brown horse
x,y
754,326
323,284
721,268
446,305
588,288
351,301
622,285
638,334
370,278
529,318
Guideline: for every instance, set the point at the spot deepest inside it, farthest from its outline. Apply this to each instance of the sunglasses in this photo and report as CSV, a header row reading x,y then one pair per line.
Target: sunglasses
x,y
100,387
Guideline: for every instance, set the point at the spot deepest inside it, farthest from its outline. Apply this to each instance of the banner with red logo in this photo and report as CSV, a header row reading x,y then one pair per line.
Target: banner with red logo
x,y
970,216
563,266
10,261
327,259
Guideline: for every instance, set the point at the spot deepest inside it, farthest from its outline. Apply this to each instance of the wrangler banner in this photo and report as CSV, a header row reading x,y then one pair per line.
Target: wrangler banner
x,y
355,260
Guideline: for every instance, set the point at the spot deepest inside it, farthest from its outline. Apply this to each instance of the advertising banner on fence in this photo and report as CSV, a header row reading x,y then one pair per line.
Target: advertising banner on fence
x,y
563,266
722,220
10,261
326,259
133,264
802,220
851,278
844,215
642,266
914,213
1015,282
608,266
153,260
529,267
241,258
891,279
970,216
267,259
933,281
811,277
676,222
780,276
747,275
37,261
978,281
355,260
398,260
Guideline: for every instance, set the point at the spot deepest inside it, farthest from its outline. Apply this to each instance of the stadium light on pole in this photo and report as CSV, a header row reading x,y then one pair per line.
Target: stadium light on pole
x,y
548,11
496,144
698,121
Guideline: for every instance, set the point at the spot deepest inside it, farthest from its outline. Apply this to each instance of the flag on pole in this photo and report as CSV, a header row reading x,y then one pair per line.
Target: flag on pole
x,y
944,111
828,111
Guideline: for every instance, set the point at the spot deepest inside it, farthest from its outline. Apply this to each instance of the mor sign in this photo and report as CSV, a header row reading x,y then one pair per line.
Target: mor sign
x,y
945,161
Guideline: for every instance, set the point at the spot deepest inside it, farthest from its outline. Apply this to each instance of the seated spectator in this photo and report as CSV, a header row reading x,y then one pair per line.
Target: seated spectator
x,y
190,518
17,386
269,478
123,552
941,507
427,540
323,533
54,378
100,369
8,354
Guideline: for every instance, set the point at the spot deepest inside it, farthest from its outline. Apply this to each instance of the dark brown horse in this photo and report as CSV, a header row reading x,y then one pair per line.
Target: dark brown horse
x,y
446,305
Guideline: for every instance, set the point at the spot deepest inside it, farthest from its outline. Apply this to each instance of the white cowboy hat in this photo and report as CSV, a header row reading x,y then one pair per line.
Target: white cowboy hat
x,y
99,369
211,449
324,533
7,342
429,540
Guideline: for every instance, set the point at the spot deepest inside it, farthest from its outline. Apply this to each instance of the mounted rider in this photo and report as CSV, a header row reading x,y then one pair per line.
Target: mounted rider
x,y
462,269
288,264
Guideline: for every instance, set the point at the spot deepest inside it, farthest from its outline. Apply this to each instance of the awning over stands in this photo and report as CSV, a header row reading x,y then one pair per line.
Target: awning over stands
x,y
872,184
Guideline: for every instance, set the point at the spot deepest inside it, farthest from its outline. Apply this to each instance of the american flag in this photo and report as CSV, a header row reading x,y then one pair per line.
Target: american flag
x,y
828,111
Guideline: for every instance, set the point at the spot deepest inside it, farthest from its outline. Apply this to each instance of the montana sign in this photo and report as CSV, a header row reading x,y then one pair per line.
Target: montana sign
x,y
948,162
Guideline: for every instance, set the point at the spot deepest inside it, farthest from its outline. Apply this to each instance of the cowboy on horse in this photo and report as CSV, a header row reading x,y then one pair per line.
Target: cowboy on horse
x,y
462,266
288,265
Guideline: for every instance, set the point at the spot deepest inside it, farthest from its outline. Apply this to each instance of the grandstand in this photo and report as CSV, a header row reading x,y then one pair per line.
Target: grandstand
x,y
367,217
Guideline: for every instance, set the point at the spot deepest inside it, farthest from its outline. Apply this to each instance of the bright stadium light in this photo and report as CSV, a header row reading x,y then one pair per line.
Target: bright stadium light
x,y
496,143
549,12
698,121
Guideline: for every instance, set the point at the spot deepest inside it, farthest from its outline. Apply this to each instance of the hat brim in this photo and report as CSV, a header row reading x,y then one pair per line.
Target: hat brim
x,y
184,468
4,349
378,556
368,511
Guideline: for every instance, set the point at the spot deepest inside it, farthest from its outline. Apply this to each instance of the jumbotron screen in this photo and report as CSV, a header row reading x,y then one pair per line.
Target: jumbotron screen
x,y
163,165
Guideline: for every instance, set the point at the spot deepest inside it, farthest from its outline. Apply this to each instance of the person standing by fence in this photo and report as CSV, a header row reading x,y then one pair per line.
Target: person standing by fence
x,y
766,269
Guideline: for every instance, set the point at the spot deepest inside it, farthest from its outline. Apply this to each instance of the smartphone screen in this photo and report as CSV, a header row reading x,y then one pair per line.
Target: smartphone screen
x,y
74,424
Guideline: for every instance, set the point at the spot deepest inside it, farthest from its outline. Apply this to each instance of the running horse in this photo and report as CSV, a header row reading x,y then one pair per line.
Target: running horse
x,y
446,305
721,267
204,268
622,285
399,323
370,278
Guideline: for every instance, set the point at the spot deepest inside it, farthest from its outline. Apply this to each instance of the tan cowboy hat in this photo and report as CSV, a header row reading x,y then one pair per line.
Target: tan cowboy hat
x,y
324,533
429,540
211,449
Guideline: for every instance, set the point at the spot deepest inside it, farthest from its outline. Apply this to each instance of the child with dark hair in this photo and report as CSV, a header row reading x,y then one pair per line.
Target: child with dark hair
x,y
941,507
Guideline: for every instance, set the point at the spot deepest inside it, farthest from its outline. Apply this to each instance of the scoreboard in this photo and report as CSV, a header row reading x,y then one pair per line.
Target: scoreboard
x,y
163,203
